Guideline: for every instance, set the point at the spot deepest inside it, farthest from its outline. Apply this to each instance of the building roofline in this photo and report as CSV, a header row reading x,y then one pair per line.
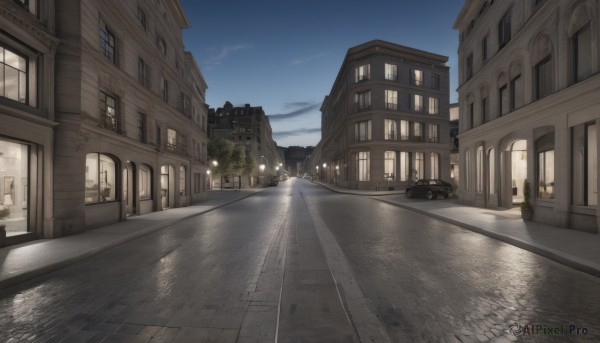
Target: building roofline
x,y
177,11
195,66
468,10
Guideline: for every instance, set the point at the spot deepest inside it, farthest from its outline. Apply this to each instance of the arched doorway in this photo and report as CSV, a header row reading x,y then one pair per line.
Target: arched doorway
x,y
518,153
129,188
167,186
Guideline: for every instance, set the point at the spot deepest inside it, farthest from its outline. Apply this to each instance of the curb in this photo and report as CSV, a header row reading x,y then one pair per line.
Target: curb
x,y
26,275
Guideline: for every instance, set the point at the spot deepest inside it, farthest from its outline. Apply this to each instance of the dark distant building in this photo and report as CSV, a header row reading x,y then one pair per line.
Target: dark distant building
x,y
250,127
294,159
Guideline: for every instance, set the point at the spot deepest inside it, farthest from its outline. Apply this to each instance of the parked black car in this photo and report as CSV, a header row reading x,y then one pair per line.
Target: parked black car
x,y
431,188
274,181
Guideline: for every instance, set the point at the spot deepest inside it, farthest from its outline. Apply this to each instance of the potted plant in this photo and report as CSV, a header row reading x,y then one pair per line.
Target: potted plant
x,y
4,212
526,209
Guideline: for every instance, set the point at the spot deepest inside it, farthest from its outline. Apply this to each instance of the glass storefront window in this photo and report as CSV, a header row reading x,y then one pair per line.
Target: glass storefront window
x,y
100,178
14,176
145,183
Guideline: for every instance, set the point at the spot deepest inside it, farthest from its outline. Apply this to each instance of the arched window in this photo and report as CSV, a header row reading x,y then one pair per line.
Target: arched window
x,y
492,171
580,34
100,178
543,71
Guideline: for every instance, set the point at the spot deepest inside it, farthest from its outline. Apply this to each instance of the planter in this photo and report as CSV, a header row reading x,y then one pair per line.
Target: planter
x,y
2,235
527,214
391,188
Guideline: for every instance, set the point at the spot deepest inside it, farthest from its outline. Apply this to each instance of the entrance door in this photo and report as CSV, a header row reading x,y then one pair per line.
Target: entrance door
x,y
167,186
518,170
129,188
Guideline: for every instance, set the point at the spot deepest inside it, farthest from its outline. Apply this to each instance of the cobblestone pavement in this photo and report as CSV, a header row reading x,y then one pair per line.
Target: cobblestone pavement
x,y
434,282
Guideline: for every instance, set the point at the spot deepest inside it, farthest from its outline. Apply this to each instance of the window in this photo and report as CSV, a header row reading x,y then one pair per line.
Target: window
x,y
433,133
109,117
543,78
479,169
184,104
467,169
404,166
418,103
142,127
108,44
141,16
164,89
416,77
14,179
363,101
546,174
472,115
182,177
100,178
391,72
13,75
516,93
434,165
362,131
30,6
492,171
172,139
504,29
362,73
362,166
484,49
158,137
145,183
582,54
389,166
469,66
503,100
435,81
391,100
404,130
143,74
418,132
591,165
390,132
161,45
419,165
484,110
434,105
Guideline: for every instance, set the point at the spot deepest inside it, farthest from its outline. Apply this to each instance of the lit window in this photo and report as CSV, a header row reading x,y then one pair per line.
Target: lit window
x,y
390,166
404,166
362,166
479,170
434,105
182,176
546,174
404,130
434,165
109,117
418,132
391,99
171,140
13,75
418,103
145,183
390,132
391,72
417,77
100,180
491,172
362,131
362,73
419,165
433,133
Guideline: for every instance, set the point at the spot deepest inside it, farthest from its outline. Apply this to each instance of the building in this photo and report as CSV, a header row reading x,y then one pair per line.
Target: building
x,y
246,126
28,46
131,137
529,110
454,152
294,159
385,121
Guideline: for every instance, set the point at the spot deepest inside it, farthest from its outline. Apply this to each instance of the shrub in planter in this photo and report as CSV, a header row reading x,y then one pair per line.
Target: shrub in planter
x,y
526,208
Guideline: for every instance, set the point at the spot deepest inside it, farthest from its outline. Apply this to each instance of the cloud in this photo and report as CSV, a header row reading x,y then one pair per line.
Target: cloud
x,y
294,133
309,58
301,108
219,56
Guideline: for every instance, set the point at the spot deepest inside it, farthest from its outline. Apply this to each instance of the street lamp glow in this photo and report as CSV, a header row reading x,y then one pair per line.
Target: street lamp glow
x,y
324,165
208,172
337,167
262,167
215,163
277,168
317,167
281,164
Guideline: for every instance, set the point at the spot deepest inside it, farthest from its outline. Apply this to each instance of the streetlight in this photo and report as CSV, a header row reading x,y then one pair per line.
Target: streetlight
x,y
209,178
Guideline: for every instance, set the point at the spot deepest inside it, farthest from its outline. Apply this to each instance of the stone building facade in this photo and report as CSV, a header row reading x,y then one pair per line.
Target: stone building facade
x,y
529,110
385,121
28,46
247,126
131,137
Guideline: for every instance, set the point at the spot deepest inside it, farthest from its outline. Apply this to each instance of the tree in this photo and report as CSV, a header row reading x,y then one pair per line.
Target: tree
x,y
249,165
238,156
220,150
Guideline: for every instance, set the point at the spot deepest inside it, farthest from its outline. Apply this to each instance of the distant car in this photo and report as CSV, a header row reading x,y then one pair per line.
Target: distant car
x,y
430,188
274,181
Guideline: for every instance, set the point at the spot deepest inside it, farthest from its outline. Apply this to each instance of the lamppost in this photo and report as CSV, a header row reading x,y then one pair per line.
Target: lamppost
x,y
325,172
209,179
263,168
337,174
318,175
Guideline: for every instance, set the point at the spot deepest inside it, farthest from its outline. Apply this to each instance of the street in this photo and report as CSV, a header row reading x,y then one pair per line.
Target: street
x,y
299,263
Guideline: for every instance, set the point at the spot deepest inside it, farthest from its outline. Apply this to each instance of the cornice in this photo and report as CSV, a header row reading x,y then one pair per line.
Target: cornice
x,y
28,23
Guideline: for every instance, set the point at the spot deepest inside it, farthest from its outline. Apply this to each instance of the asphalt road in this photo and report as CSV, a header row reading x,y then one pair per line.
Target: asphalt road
x,y
298,263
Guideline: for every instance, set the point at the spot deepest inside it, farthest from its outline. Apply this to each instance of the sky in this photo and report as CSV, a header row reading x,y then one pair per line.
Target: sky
x,y
284,55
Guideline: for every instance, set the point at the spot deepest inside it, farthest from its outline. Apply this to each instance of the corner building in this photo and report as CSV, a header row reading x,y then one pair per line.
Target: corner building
x,y
385,121
130,105
529,107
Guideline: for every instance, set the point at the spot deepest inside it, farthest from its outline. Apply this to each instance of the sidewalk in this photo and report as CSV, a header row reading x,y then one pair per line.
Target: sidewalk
x,y
25,261
576,249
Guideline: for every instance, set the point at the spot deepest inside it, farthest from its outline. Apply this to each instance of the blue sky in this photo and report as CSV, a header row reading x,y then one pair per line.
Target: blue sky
x,y
284,55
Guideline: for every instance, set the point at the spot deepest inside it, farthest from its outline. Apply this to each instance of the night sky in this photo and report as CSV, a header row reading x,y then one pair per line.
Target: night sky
x,y
284,55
